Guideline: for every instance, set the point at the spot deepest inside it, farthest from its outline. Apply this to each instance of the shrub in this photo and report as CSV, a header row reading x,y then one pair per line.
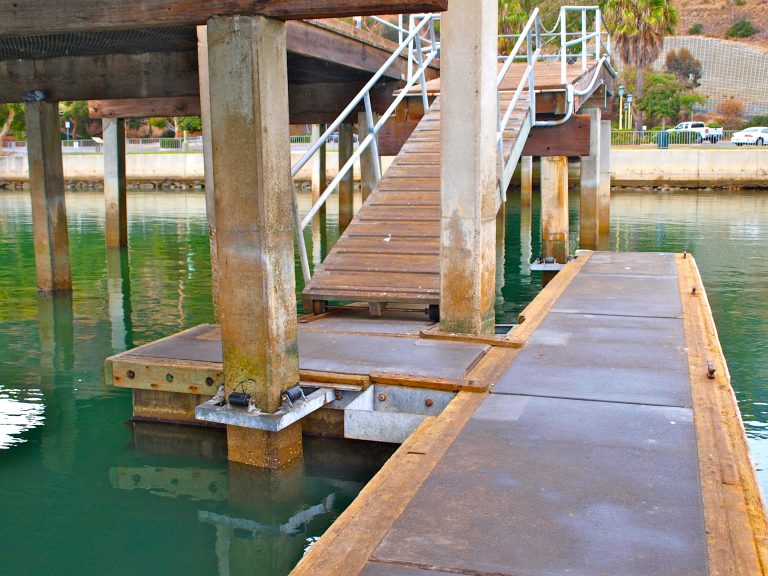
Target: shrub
x,y
739,2
741,29
696,29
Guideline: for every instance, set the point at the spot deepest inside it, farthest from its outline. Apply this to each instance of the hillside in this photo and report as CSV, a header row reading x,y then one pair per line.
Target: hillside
x,y
716,16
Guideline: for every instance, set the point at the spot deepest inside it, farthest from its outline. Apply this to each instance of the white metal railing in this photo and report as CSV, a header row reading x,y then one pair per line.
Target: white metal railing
x,y
562,42
414,45
650,138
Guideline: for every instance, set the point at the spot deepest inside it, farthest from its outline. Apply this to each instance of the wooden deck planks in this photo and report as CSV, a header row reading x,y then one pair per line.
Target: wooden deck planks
x,y
391,250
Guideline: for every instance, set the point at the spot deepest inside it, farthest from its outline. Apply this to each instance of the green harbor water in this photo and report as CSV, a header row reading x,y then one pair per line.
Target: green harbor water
x,y
82,491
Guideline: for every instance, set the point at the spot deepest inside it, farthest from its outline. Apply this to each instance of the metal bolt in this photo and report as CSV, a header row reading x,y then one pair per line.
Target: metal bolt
x,y
131,374
382,397
429,402
169,377
209,381
711,370
339,395
693,290
685,254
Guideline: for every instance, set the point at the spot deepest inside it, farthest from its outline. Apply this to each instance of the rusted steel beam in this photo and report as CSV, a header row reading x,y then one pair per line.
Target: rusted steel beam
x,y
57,17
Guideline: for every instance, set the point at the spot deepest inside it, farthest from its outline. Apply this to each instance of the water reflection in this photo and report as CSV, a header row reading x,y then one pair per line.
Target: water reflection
x,y
20,410
262,520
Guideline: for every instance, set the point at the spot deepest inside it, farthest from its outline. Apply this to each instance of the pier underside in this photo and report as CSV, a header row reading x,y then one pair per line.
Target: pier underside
x,y
599,436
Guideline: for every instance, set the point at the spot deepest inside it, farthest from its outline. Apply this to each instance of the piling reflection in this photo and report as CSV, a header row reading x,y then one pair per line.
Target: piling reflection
x,y
119,298
57,357
262,520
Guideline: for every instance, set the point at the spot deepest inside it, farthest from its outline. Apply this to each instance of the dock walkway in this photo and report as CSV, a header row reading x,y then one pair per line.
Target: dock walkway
x,y
602,448
391,250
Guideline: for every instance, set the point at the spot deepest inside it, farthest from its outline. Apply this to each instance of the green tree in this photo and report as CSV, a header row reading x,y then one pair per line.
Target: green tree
x,y
191,124
11,121
684,66
688,101
662,98
741,29
638,28
76,112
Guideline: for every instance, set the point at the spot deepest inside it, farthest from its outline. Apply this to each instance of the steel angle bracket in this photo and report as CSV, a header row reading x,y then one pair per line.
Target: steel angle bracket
x,y
252,417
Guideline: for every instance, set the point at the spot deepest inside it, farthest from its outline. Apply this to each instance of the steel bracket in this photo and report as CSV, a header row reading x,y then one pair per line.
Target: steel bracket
x,y
214,410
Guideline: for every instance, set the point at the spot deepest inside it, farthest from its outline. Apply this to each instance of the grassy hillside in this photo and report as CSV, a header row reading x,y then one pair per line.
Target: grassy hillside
x,y
716,16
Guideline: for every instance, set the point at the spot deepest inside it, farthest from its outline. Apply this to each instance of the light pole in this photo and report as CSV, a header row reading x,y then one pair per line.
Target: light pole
x,y
621,107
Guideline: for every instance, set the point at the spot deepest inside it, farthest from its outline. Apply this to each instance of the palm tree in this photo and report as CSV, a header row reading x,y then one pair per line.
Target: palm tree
x,y
638,29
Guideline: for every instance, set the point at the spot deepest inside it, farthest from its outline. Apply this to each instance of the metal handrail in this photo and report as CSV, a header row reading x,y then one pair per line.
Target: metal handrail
x,y
413,44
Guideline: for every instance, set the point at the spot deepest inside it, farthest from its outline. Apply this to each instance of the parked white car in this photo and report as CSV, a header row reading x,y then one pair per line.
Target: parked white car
x,y
700,132
757,135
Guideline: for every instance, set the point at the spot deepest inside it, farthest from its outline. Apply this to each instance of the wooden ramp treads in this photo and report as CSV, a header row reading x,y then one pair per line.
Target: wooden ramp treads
x,y
391,250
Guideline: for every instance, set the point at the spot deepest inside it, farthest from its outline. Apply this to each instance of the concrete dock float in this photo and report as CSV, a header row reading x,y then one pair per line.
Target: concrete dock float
x,y
599,436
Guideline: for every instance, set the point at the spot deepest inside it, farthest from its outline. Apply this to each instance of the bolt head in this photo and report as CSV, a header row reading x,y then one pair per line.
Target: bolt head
x,y
429,402
382,397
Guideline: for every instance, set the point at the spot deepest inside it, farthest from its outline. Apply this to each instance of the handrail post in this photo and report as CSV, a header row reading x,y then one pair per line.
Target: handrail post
x,y
374,143
531,91
563,47
584,40
598,32
423,80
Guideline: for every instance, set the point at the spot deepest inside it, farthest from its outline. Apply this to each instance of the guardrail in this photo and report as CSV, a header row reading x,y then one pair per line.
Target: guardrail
x,y
650,138
425,50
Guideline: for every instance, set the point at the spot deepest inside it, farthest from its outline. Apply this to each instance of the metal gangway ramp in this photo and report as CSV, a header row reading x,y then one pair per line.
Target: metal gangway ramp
x,y
390,252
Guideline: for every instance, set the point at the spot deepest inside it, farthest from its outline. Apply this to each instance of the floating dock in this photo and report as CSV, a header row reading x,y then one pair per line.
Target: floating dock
x,y
599,436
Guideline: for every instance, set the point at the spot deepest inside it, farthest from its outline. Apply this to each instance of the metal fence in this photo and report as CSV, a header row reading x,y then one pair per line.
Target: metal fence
x,y
650,138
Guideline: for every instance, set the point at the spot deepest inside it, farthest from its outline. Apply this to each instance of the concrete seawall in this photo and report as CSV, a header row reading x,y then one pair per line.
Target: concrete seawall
x,y
689,167
170,166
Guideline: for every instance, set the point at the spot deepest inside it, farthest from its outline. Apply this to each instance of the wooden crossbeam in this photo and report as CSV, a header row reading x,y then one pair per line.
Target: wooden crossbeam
x,y
62,16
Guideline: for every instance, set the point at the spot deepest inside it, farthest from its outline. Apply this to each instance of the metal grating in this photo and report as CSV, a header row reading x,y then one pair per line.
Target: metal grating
x,y
98,43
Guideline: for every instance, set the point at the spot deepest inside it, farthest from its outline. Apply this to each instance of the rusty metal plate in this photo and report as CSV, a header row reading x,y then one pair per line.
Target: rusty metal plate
x,y
622,295
340,353
632,263
544,486
611,358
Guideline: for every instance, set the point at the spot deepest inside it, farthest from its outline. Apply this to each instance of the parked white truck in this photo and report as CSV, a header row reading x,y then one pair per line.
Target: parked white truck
x,y
699,132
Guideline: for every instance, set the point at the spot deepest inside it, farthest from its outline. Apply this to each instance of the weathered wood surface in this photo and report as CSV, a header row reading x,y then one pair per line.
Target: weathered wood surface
x,y
54,17
328,62
390,252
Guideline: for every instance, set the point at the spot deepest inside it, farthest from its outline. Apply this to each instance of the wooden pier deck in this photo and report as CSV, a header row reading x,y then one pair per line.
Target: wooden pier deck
x,y
603,447
590,439
390,252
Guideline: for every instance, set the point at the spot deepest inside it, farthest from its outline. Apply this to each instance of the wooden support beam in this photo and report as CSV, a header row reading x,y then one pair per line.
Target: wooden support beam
x,y
204,111
252,172
147,75
604,196
347,185
314,103
569,139
526,180
49,210
115,189
590,186
145,107
468,167
55,17
554,207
